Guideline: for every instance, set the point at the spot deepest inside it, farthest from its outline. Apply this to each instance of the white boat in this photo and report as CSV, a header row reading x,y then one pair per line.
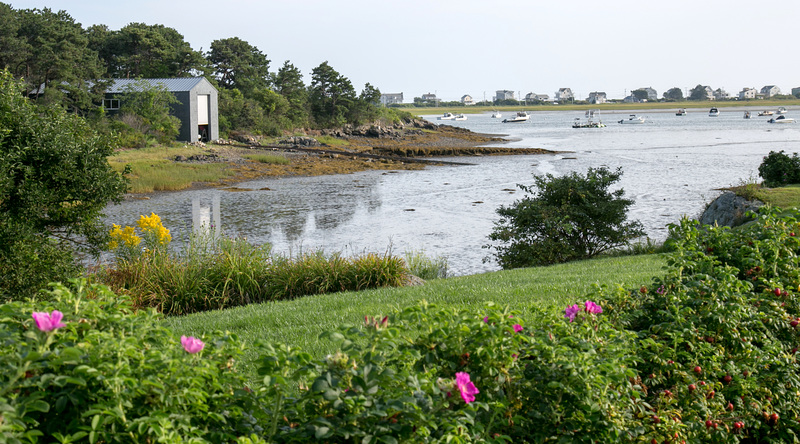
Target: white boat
x,y
633,118
496,115
590,121
460,117
713,112
747,114
681,112
521,116
781,119
781,110
765,113
447,116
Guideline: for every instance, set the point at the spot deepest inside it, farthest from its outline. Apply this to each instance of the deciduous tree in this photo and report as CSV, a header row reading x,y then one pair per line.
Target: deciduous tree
x,y
565,218
54,182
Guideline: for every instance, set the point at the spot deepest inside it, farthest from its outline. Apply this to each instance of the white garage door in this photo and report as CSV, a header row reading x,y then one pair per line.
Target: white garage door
x,y
202,109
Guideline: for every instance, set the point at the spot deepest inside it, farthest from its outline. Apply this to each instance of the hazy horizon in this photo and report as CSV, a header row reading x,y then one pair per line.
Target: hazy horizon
x,y
452,48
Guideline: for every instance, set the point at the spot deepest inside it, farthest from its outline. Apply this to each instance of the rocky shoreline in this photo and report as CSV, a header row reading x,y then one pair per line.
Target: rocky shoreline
x,y
402,146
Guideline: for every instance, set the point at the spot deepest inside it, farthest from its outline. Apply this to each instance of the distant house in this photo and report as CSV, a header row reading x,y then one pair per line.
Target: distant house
x,y
564,94
596,97
504,95
770,90
429,98
533,97
197,108
391,98
796,92
748,94
466,100
721,94
709,93
631,99
652,95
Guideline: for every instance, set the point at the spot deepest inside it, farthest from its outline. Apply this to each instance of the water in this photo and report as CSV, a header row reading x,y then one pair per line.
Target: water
x,y
673,166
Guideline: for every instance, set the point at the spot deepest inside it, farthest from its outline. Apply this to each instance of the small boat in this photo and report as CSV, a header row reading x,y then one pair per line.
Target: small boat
x,y
590,121
521,116
633,118
496,115
447,116
460,117
765,113
681,112
781,110
781,119
747,114
713,112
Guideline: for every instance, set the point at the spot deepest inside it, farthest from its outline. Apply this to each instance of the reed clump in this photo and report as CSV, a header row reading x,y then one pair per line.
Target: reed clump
x,y
216,272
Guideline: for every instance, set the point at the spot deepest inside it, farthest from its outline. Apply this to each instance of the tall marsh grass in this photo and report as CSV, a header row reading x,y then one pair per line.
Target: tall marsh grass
x,y
425,267
271,159
220,273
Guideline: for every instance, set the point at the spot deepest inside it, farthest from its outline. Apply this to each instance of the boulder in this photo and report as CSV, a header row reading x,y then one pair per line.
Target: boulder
x,y
729,210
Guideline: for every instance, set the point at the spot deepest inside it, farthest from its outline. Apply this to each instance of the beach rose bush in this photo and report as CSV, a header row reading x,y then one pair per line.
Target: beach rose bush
x,y
83,367
717,334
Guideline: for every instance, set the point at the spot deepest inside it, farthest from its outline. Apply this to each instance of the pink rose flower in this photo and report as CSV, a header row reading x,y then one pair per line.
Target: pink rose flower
x,y
48,322
466,387
571,311
517,328
192,344
591,307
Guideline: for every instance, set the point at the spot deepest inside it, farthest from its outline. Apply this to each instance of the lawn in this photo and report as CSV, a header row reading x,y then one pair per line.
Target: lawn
x,y
299,322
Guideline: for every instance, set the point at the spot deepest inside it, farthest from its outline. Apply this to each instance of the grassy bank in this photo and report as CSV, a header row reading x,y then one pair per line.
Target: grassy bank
x,y
299,322
610,107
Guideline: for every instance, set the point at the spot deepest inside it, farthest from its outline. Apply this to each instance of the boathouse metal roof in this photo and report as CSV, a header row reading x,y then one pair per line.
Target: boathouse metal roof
x,y
172,85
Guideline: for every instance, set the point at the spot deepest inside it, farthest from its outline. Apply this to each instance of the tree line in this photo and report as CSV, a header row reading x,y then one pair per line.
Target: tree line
x,y
62,63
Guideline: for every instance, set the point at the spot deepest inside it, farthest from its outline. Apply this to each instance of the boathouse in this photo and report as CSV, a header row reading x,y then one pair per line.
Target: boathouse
x,y
197,108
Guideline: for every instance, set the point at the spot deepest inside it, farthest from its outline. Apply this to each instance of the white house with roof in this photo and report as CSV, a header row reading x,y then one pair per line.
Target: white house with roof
x,y
429,97
564,94
748,93
504,95
770,90
197,107
596,97
533,97
391,98
466,99
721,94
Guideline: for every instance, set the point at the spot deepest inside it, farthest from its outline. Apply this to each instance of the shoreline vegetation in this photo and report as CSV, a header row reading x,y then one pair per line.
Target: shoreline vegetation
x,y
181,166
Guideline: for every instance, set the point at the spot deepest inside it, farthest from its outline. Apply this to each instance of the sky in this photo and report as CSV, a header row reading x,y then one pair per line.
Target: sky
x,y
455,47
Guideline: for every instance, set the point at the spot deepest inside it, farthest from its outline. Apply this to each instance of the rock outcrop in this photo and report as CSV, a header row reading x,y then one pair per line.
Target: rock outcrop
x,y
729,210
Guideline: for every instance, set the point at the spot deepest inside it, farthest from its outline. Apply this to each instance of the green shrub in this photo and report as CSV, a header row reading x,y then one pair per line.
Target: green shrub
x,y
394,380
568,218
718,333
778,169
112,375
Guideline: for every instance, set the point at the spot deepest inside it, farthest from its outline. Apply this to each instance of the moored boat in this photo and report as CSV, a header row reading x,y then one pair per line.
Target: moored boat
x,y
590,121
747,114
765,113
633,118
460,117
781,119
496,115
681,112
447,116
713,112
781,110
521,116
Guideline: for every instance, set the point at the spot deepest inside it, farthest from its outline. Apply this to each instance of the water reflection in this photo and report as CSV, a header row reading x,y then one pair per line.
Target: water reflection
x,y
672,167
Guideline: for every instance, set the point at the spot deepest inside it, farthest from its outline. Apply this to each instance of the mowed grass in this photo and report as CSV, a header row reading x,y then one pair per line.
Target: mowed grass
x,y
783,197
299,322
